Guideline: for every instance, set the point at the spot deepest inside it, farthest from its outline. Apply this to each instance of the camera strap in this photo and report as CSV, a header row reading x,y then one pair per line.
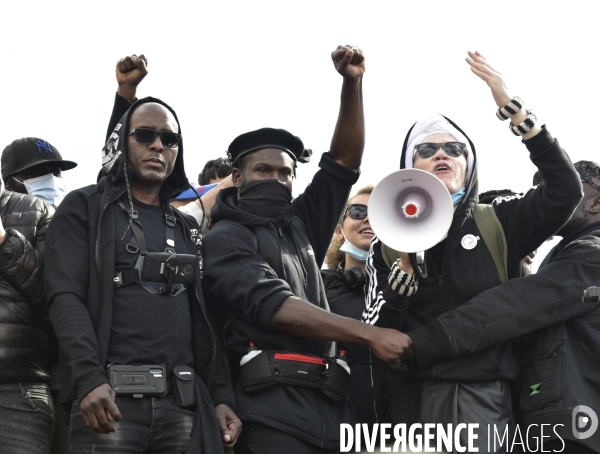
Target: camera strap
x,y
137,244
138,241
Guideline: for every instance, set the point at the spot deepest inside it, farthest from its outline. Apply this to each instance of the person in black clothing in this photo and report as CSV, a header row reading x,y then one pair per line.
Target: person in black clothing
x,y
130,72
488,198
560,344
345,281
105,311
474,388
262,275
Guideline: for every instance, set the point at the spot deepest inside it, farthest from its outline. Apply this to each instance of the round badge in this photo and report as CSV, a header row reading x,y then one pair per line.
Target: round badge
x,y
469,241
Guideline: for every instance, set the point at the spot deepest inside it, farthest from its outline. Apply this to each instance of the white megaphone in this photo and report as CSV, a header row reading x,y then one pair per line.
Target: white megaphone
x,y
410,210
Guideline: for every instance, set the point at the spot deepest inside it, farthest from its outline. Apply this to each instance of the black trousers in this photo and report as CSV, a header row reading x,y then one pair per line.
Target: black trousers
x,y
260,439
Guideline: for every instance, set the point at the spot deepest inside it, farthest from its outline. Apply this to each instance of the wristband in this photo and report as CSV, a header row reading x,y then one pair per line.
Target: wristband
x,y
514,105
402,283
525,126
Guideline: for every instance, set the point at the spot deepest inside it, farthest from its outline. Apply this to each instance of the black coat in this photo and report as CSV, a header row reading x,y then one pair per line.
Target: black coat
x,y
252,265
527,220
24,325
561,334
79,283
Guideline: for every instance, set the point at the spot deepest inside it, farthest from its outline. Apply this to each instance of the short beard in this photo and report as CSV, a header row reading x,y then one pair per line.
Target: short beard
x,y
577,221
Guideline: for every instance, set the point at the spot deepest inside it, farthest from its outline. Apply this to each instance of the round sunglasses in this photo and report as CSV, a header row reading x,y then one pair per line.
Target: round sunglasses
x,y
453,149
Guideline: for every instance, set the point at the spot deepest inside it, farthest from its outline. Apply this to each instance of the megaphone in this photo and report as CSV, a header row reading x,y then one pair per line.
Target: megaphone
x,y
410,210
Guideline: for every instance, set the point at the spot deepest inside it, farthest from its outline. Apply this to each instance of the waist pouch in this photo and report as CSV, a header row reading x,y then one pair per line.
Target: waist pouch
x,y
182,381
273,368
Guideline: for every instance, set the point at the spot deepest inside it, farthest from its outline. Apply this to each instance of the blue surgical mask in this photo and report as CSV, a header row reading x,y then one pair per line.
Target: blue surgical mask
x,y
49,188
458,196
353,251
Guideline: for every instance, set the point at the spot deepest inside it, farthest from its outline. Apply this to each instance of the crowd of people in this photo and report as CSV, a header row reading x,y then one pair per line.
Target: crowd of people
x,y
147,312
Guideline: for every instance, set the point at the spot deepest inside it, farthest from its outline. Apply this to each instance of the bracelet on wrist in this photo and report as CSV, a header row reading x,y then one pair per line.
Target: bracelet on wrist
x,y
513,106
404,284
525,126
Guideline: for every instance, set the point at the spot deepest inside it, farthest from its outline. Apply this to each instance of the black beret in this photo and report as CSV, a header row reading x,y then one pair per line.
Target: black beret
x,y
25,153
268,138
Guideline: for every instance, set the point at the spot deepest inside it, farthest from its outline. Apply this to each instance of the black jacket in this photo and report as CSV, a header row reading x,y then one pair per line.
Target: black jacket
x,y
252,265
80,272
351,303
528,220
24,324
563,345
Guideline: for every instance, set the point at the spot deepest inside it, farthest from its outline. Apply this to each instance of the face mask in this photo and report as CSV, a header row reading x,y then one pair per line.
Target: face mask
x,y
353,251
458,196
49,188
266,198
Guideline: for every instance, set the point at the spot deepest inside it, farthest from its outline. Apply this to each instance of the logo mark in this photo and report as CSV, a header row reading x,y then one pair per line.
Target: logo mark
x,y
583,417
44,146
535,389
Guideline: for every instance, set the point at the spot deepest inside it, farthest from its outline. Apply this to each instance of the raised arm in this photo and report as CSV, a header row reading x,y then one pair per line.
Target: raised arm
x,y
130,71
493,79
528,221
348,141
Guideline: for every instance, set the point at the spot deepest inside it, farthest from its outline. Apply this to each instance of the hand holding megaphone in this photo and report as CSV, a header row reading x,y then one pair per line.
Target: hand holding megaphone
x,y
411,211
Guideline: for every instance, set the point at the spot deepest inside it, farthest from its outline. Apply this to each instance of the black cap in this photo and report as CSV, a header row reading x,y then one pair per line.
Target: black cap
x,y
268,138
589,172
24,153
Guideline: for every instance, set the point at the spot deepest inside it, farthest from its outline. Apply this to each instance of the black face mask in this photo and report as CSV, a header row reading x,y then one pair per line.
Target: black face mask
x,y
266,198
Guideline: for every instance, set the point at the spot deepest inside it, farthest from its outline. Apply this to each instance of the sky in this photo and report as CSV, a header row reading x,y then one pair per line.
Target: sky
x,y
232,66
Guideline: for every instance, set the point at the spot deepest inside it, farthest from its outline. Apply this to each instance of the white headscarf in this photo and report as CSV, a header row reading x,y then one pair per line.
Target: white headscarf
x,y
436,124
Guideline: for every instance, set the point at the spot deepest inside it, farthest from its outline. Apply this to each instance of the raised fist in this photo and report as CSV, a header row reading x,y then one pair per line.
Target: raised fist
x,y
349,61
130,71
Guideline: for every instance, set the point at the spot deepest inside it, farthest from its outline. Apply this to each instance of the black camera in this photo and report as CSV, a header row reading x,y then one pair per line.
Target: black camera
x,y
165,272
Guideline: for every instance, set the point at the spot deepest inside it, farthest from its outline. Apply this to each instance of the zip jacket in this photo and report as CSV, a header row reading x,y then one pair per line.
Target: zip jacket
x,y
252,265
527,221
80,280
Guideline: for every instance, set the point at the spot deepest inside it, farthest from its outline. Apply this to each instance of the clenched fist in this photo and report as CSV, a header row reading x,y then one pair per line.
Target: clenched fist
x,y
130,72
349,61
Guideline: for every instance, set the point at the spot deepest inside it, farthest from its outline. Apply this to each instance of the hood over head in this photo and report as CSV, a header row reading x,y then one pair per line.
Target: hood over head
x,y
114,158
439,124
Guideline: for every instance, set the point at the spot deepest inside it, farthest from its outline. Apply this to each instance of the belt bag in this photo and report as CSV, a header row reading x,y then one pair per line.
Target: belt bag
x,y
273,368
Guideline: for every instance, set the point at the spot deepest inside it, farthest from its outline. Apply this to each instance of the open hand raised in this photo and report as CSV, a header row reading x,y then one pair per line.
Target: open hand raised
x,y
490,76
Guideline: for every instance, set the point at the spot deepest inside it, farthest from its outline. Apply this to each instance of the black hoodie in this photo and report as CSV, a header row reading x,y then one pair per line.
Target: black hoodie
x,y
253,264
527,221
80,257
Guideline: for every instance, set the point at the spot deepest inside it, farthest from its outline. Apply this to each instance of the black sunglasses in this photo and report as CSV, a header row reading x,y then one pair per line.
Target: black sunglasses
x,y
454,149
356,210
145,136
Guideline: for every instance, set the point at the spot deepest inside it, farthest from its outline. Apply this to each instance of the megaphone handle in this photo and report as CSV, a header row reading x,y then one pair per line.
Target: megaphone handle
x,y
421,274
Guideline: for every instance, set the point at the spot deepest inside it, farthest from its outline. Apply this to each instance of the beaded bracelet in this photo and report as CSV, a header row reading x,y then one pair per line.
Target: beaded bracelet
x,y
525,126
514,105
402,283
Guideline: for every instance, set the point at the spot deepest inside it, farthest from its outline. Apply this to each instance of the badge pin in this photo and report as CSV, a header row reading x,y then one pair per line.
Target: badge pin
x,y
469,241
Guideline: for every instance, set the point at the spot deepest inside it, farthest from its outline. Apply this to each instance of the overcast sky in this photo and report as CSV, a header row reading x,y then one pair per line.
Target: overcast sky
x,y
232,66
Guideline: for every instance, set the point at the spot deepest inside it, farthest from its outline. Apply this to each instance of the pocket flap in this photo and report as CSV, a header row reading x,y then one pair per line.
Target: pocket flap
x,y
542,349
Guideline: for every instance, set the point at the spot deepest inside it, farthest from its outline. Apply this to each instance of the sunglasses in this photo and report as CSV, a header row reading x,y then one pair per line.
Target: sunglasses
x,y
454,149
145,136
357,211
